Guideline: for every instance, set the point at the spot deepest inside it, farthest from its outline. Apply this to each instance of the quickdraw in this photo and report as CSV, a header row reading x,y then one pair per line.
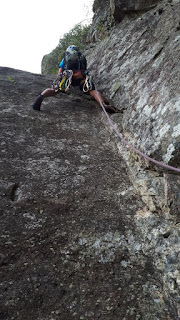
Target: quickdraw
x,y
63,84
87,84
66,80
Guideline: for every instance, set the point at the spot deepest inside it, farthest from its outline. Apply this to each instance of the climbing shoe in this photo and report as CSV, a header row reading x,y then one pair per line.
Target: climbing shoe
x,y
37,103
109,109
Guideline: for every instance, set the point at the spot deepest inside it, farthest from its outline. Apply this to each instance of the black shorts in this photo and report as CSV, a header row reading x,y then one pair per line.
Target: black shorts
x,y
80,83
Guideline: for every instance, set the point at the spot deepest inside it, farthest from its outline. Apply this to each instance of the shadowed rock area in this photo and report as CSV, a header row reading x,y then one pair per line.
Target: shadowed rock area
x,y
71,225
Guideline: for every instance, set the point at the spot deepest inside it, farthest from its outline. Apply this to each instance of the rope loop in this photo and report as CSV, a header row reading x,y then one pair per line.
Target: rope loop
x,y
161,164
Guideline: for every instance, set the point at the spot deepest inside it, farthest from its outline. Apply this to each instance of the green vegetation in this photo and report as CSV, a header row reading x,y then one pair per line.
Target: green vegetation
x,y
10,79
76,36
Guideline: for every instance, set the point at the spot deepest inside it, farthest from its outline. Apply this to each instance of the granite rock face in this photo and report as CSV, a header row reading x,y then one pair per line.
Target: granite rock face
x,y
108,13
77,242
138,68
120,7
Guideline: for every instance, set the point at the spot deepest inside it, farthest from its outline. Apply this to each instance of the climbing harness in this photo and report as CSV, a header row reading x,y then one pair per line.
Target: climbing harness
x,y
131,146
87,84
63,84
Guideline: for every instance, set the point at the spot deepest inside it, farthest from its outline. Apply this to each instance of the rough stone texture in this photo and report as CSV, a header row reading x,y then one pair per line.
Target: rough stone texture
x,y
120,7
102,21
137,66
76,241
107,13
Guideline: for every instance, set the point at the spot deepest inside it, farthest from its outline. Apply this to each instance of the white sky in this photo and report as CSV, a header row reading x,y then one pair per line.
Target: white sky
x,y
31,29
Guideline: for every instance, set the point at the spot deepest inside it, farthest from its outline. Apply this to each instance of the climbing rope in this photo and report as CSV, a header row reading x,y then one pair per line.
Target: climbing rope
x,y
132,147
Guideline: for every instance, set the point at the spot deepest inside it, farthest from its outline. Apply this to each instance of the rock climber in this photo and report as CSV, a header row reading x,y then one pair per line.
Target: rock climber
x,y
72,71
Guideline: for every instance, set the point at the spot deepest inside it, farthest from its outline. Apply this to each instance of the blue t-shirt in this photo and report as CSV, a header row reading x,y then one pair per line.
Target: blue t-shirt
x,y
61,65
